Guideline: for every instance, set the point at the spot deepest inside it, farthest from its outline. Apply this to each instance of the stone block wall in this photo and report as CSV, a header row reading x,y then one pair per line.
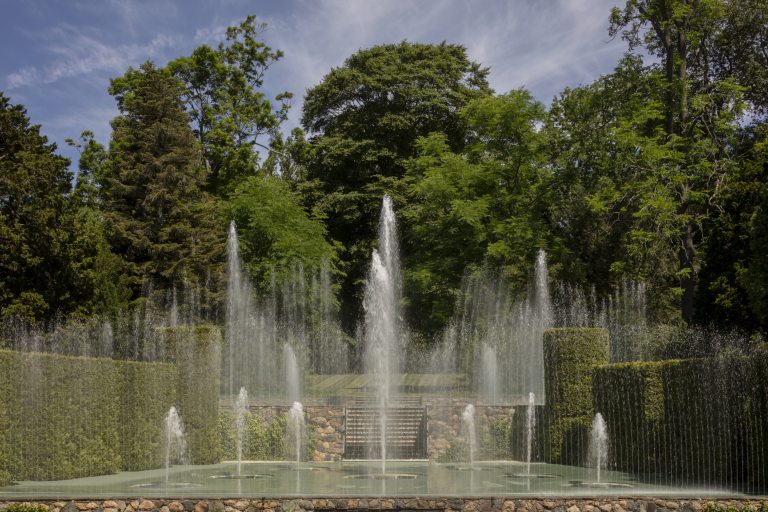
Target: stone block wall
x,y
444,424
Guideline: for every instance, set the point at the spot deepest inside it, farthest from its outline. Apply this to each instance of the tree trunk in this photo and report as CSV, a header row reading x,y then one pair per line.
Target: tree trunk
x,y
687,256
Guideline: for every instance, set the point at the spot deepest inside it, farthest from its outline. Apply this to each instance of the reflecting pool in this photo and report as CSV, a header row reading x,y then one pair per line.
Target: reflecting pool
x,y
406,478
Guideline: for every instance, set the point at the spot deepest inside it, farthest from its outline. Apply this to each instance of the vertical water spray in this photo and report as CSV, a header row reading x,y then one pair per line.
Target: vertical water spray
x,y
296,429
241,409
530,425
237,311
383,323
175,445
543,318
598,444
489,375
292,375
468,419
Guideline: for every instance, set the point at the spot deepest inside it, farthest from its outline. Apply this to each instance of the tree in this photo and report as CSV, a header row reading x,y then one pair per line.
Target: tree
x,y
229,113
755,279
731,252
738,50
275,231
158,218
364,119
699,115
101,286
34,219
482,205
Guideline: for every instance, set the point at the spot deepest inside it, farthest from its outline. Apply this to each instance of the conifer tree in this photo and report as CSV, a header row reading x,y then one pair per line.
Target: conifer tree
x,y
158,217
34,221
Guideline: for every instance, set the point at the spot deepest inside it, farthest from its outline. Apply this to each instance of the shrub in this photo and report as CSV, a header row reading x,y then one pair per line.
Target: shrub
x,y
24,507
570,355
694,420
65,417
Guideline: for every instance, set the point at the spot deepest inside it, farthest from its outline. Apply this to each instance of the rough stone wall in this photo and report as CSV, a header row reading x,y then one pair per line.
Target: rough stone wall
x,y
444,424
431,504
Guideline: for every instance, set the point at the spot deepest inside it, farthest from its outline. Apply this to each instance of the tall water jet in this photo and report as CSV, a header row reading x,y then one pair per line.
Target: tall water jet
x,y
598,444
296,429
468,420
383,322
241,409
175,445
489,375
292,375
530,425
238,299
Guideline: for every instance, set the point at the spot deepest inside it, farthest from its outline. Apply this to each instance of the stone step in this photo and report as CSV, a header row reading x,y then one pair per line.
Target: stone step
x,y
405,430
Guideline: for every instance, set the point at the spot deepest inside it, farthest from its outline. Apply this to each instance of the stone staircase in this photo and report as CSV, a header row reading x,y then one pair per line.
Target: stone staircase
x,y
406,429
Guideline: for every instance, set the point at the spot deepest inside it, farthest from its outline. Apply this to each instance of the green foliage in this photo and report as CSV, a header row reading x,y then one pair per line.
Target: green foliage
x,y
365,118
23,507
35,224
275,230
481,205
497,441
158,218
58,415
683,409
196,352
260,441
570,356
719,507
229,114
733,252
5,478
457,451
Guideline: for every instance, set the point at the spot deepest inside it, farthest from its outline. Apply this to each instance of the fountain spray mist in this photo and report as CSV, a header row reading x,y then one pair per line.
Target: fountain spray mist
x,y
383,322
530,425
175,445
296,429
468,419
241,408
598,444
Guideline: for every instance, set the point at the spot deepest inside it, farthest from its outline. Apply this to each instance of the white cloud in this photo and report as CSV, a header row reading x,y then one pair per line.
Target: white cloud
x,y
78,53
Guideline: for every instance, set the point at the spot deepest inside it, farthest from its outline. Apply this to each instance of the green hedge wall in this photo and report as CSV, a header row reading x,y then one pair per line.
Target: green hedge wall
x,y
196,351
692,421
570,356
65,417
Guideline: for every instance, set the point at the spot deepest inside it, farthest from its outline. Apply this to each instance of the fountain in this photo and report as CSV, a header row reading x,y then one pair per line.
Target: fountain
x,y
468,420
383,330
598,445
175,444
292,375
285,343
296,430
241,409
489,374
530,424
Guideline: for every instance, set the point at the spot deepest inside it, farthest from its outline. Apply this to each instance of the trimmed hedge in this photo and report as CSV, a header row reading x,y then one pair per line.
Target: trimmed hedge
x,y
696,421
196,350
65,417
570,356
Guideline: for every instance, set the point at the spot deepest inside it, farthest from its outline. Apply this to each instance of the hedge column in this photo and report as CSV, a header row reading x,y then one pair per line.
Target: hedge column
x,y
570,355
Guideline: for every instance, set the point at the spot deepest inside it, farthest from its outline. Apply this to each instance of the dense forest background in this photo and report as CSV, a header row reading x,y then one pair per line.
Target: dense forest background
x,y
657,172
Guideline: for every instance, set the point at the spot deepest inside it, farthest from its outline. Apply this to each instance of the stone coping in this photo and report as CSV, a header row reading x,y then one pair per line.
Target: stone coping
x,y
464,504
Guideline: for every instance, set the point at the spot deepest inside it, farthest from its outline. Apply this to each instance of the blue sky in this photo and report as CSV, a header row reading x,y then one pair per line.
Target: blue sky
x,y
56,57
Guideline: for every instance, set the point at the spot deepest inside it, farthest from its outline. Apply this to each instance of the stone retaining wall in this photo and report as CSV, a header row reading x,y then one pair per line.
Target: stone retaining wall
x,y
444,424
427,504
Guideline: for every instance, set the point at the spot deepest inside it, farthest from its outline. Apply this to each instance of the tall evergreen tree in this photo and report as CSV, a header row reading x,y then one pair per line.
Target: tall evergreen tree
x,y
34,183
158,217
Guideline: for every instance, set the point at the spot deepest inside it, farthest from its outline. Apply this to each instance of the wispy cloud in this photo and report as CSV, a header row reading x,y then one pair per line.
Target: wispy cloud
x,y
77,53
